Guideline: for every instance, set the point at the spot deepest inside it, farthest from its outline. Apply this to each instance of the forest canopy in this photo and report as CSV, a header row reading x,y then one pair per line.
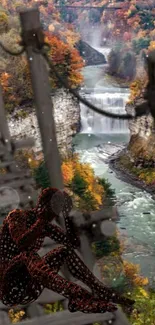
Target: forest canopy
x,y
14,71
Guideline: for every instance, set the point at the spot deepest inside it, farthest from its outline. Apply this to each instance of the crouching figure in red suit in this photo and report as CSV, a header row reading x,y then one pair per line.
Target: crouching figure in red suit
x,y
24,274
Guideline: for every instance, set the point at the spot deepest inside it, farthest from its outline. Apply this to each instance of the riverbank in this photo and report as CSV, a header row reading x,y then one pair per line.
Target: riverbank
x,y
126,175
136,233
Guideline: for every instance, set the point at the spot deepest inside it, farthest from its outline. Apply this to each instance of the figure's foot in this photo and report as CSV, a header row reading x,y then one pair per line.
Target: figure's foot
x,y
128,310
126,302
109,294
91,306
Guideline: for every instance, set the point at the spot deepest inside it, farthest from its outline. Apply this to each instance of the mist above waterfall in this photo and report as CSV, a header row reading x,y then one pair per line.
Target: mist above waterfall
x,y
96,37
92,34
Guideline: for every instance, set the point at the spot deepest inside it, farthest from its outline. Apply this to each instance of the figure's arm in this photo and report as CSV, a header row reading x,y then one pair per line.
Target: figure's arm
x,y
71,231
24,227
57,234
27,226
29,237
60,202
25,233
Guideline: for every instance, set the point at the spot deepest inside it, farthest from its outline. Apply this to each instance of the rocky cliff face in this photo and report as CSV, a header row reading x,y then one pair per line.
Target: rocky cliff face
x,y
67,119
142,140
141,126
89,54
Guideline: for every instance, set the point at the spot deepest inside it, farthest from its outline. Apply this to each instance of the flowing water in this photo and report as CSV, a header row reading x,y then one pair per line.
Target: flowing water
x,y
111,101
99,138
103,50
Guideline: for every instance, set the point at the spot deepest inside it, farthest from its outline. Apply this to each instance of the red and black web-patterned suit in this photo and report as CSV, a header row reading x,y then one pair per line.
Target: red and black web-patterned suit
x,y
24,274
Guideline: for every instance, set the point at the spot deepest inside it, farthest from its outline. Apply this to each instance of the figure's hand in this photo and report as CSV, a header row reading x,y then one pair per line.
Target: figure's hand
x,y
71,229
73,234
50,204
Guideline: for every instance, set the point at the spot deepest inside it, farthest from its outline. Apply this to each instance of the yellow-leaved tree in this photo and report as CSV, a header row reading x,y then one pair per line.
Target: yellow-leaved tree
x,y
81,179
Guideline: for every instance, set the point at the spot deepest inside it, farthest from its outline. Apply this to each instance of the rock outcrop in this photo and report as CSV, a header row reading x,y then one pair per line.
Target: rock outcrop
x,y
142,125
142,140
89,54
67,119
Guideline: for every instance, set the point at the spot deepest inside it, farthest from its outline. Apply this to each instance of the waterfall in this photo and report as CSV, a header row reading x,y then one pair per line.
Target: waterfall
x,y
103,50
112,100
99,91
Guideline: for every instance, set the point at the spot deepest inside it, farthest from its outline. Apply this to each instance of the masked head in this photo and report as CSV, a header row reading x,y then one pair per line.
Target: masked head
x,y
54,201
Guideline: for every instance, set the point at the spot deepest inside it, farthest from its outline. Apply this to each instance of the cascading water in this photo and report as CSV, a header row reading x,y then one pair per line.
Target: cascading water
x,y
103,50
111,101
103,95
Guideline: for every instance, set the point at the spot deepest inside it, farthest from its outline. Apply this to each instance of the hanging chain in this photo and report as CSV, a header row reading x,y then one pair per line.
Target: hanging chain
x,y
35,38
64,83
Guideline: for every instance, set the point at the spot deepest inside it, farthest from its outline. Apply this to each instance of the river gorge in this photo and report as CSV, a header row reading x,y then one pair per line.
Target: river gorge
x,y
101,137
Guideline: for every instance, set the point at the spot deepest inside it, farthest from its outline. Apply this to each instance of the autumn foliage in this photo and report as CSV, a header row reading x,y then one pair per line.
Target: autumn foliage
x,y
16,84
79,180
14,71
131,26
16,316
66,60
131,272
137,87
82,181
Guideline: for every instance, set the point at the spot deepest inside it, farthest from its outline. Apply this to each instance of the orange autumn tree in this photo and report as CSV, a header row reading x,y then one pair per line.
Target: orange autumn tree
x,y
136,88
86,171
80,178
67,61
16,83
79,181
14,71
5,80
67,172
15,74
132,272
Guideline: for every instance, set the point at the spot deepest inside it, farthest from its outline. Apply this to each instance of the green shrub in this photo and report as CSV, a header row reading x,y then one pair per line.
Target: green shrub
x,y
107,187
122,63
41,176
89,201
114,61
23,114
140,44
127,67
144,311
79,185
106,247
53,308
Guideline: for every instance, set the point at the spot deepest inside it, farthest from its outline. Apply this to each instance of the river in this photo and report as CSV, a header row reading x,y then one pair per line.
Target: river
x,y
99,138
